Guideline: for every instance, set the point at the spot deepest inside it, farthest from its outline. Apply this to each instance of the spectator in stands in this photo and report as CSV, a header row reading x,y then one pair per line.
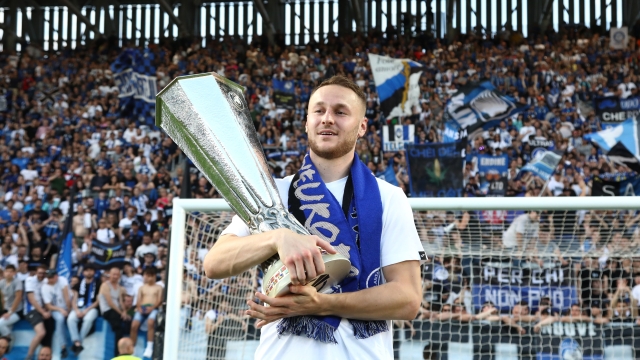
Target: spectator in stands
x,y
45,353
149,298
56,299
111,300
4,347
12,290
622,307
147,247
35,312
85,308
521,231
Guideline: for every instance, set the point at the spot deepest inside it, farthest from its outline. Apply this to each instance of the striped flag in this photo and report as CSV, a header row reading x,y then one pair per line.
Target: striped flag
x,y
397,84
394,137
64,262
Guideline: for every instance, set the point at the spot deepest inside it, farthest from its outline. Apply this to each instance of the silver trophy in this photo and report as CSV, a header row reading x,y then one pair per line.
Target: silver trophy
x,y
207,117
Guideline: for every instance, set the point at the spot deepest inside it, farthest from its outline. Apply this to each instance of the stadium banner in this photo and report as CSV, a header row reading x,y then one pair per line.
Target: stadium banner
x,y
435,170
578,340
539,147
397,84
626,133
612,110
453,132
543,166
394,137
619,154
104,256
618,38
504,297
284,86
619,185
135,76
477,106
494,171
284,100
494,272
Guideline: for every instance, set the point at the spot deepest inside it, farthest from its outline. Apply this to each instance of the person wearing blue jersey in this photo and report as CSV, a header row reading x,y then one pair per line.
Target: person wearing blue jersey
x,y
85,308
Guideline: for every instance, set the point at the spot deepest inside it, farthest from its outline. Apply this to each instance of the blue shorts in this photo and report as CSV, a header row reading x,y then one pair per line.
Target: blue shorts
x,y
139,317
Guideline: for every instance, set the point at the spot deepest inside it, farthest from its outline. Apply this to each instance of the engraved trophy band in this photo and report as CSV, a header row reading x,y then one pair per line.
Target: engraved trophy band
x,y
207,117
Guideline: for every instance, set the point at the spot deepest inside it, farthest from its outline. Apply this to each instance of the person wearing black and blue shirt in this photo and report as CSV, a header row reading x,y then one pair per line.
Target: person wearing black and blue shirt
x,y
85,308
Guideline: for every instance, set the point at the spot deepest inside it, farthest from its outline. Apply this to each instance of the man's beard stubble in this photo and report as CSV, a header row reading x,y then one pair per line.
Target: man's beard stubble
x,y
341,149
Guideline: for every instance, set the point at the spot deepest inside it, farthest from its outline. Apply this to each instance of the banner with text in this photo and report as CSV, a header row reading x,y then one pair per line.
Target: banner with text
x,y
135,76
613,110
104,256
505,297
493,172
394,137
435,170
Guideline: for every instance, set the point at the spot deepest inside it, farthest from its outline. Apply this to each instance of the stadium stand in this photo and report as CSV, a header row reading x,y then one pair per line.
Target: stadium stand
x,y
67,152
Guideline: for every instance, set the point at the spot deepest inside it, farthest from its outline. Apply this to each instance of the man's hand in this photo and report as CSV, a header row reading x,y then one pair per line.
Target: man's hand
x,y
64,313
303,300
124,316
80,314
300,254
46,314
6,315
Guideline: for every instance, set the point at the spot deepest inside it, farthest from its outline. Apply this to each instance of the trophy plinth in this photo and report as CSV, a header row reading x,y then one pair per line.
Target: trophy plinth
x,y
207,117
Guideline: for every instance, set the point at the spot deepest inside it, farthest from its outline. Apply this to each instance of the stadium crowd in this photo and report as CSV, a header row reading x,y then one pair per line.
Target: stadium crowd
x,y
61,128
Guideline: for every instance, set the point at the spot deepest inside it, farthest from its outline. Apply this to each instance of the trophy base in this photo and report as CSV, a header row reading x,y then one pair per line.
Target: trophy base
x,y
277,280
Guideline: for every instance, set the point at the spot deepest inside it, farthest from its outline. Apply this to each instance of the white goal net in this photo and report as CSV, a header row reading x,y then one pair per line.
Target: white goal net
x,y
507,278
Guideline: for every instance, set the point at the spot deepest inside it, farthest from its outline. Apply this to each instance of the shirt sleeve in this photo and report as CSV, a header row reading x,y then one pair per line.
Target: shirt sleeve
x,y
237,227
29,285
47,294
400,241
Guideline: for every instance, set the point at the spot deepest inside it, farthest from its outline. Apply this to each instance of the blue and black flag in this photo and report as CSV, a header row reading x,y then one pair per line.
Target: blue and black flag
x,y
397,84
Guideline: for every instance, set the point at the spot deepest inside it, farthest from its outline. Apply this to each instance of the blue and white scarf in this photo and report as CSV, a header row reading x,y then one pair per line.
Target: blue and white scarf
x,y
356,236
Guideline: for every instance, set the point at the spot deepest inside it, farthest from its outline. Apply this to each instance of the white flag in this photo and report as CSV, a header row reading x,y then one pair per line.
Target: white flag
x,y
619,37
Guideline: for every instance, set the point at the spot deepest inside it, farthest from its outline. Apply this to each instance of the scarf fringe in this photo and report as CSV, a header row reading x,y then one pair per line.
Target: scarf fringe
x,y
308,326
364,329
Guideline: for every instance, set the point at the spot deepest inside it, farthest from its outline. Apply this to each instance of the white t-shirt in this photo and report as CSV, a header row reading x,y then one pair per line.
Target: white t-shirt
x,y
105,235
399,242
32,285
635,292
527,131
144,249
129,283
29,175
555,186
53,294
520,225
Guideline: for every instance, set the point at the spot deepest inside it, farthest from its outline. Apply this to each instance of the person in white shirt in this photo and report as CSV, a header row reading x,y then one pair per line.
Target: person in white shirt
x,y
393,288
625,87
635,292
521,231
526,131
7,257
57,299
34,310
556,185
146,247
12,290
104,233
131,281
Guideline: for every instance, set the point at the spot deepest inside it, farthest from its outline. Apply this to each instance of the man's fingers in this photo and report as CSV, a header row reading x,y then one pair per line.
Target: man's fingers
x,y
319,263
300,275
326,246
310,267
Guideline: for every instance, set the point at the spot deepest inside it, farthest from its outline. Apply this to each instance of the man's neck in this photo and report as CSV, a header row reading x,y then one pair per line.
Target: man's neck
x,y
333,169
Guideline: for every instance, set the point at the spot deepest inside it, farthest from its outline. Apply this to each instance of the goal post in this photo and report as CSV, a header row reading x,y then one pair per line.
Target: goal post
x,y
196,223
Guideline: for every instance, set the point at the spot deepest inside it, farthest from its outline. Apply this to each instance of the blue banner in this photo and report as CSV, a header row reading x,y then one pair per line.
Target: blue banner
x,y
622,184
453,132
135,76
104,256
543,166
505,297
477,106
284,86
64,257
494,172
435,170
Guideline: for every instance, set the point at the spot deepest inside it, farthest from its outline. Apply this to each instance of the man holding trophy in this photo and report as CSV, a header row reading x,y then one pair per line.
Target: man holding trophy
x,y
354,240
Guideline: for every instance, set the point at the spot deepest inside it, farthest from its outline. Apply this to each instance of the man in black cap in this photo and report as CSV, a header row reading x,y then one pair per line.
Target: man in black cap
x,y
85,308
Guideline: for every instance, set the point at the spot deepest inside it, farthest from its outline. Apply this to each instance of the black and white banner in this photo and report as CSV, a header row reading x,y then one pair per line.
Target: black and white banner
x,y
397,84
394,137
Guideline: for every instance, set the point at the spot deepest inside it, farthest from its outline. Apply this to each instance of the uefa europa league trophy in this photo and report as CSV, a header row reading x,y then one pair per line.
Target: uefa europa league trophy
x,y
207,117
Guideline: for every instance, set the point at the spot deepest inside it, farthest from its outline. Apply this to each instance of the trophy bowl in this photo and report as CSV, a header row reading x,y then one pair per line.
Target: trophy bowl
x,y
207,116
